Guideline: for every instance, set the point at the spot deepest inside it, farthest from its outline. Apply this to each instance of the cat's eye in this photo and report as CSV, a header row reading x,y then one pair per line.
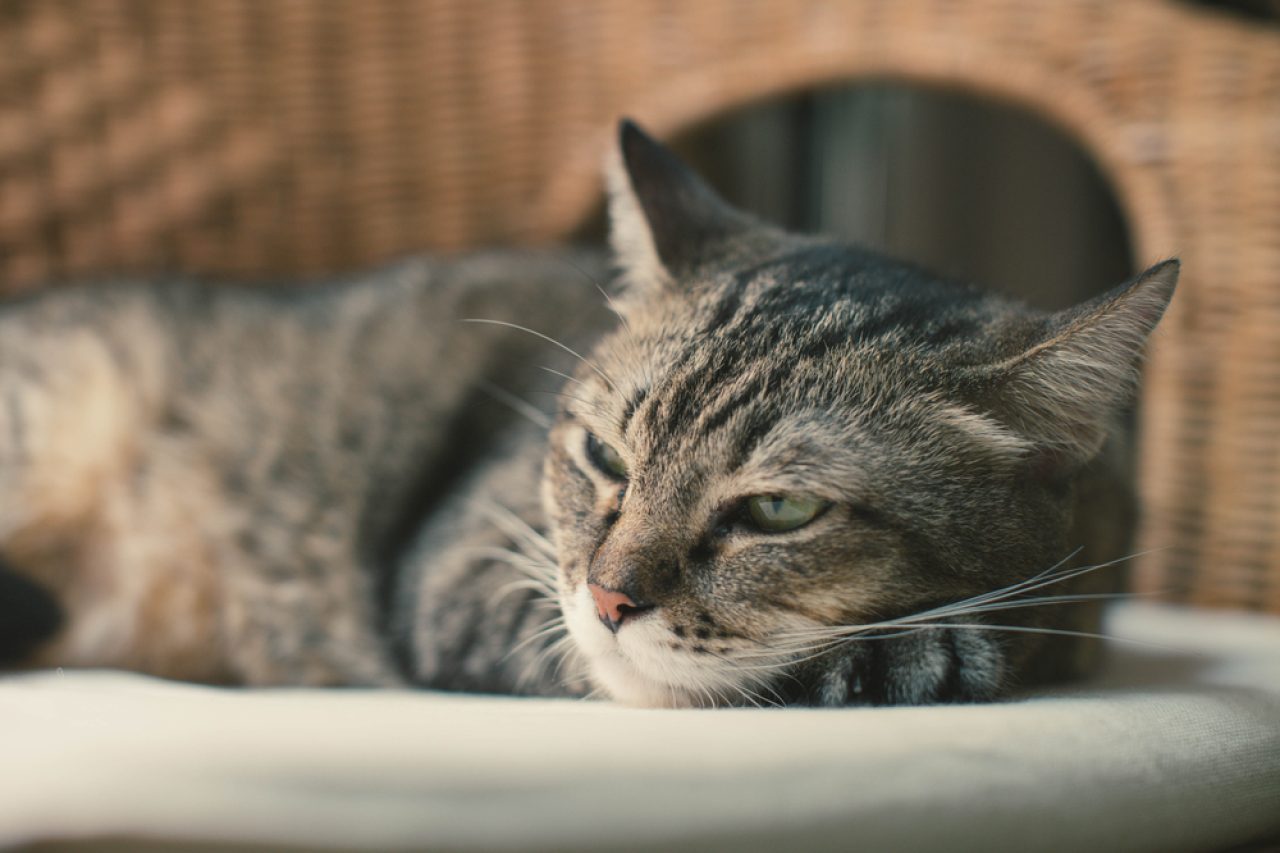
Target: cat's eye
x,y
780,513
606,458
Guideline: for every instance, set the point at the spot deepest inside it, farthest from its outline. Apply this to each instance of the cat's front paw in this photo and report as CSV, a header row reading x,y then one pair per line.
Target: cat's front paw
x,y
922,667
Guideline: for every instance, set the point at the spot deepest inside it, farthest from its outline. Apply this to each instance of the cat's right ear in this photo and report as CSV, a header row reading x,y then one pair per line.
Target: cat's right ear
x,y
664,221
1064,385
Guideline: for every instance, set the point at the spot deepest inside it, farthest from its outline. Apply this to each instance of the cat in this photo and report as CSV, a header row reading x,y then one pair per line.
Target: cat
x,y
778,469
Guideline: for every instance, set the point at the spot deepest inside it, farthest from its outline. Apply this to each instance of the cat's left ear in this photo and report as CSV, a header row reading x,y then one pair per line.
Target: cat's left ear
x,y
664,221
1065,386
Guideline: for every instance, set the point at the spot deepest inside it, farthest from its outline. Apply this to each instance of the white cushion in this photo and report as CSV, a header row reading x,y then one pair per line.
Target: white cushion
x,y
1176,747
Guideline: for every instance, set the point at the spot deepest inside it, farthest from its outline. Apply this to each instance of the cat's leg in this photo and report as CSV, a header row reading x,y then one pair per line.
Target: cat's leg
x,y
922,667
477,601
299,610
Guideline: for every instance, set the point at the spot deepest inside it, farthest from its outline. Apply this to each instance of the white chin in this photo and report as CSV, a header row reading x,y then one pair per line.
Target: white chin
x,y
617,672
626,684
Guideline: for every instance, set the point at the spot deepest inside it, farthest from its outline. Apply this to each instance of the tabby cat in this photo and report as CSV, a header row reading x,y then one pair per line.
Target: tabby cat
x,y
789,470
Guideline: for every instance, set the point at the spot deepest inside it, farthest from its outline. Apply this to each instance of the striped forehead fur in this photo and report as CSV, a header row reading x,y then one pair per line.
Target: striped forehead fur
x,y
759,345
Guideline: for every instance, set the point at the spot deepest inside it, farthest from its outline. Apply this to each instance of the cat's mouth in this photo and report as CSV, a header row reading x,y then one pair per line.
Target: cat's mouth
x,y
636,665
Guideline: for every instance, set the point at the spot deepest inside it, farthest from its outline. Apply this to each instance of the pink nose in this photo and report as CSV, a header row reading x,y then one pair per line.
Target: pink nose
x,y
613,606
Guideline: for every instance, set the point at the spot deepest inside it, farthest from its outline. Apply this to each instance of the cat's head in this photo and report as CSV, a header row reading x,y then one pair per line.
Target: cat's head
x,y
787,432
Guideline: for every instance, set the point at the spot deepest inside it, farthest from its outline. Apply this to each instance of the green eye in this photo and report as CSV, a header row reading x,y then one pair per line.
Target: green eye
x,y
606,458
778,513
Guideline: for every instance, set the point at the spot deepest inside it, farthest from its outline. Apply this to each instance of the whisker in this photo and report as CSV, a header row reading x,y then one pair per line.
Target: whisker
x,y
591,406
778,701
631,338
1053,574
516,527
632,341
535,575
561,374
516,404
564,648
553,627
549,340
538,564
1069,574
500,594
807,652
956,610
741,688
613,306
1046,600
569,262
969,605
556,651
1058,632
761,701
747,695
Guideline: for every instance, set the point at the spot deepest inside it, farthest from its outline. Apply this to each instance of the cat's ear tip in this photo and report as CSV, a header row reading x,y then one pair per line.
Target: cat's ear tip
x,y
633,140
1169,268
1165,272
630,131
1158,280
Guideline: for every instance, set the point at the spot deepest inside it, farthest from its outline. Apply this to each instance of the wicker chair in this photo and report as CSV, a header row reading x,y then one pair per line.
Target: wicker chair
x,y
238,137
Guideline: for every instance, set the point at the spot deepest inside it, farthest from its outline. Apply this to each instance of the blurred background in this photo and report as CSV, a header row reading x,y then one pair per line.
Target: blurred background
x,y
1047,148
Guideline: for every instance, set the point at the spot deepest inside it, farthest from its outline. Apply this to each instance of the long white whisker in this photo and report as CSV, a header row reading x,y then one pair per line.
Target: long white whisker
x,y
807,652
1063,576
565,647
957,610
549,340
555,651
968,605
553,627
777,697
613,306
516,527
591,406
519,406
1046,600
1058,632
518,559
505,590
561,374
1053,574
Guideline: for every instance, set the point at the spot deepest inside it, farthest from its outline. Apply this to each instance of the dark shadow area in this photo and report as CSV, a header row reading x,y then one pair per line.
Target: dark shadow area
x,y
1253,10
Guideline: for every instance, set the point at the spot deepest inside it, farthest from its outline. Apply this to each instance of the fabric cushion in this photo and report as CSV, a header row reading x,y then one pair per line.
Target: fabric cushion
x,y
1175,747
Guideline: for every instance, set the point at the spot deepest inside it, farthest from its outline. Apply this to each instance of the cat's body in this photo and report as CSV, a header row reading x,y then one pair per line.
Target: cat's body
x,y
224,481
783,440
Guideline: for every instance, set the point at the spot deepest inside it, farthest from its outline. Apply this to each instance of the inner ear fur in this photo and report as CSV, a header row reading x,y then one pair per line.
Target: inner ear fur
x,y
1065,389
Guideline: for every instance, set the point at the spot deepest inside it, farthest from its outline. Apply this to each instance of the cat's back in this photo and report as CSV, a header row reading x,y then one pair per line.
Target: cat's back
x,y
253,457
